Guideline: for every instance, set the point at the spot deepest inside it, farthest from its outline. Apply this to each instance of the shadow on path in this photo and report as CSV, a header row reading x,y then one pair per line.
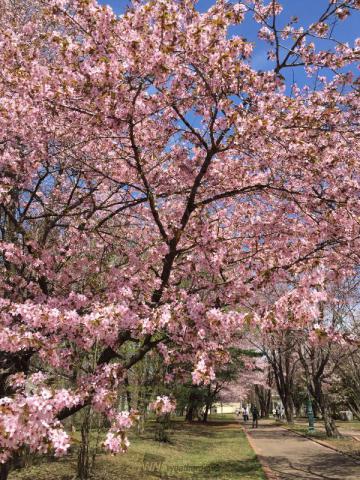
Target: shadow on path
x,y
292,457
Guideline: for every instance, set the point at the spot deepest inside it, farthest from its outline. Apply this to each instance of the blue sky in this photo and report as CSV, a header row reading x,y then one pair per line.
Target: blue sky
x,y
306,10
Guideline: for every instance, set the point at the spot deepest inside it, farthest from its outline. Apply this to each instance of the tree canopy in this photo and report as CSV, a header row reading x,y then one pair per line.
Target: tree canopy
x,y
154,187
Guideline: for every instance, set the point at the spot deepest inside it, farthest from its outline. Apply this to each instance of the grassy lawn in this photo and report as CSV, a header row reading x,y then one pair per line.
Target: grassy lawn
x,y
218,450
353,426
345,444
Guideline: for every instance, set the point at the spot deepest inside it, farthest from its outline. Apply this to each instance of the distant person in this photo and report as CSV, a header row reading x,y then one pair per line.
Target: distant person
x,y
255,416
277,413
245,414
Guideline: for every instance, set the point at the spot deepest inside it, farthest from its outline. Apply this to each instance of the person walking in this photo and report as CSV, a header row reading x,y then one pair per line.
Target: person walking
x,y
245,413
255,416
282,412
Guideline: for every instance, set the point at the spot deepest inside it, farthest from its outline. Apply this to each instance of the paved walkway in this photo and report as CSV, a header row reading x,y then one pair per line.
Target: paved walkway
x,y
293,457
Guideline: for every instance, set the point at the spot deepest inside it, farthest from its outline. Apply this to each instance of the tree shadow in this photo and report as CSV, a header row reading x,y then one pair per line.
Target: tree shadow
x,y
215,470
313,467
231,469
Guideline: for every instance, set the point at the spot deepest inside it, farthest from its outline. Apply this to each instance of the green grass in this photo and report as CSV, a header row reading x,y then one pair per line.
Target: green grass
x,y
218,450
353,426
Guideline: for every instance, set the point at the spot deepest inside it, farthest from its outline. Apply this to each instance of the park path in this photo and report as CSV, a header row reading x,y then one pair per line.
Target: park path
x,y
292,457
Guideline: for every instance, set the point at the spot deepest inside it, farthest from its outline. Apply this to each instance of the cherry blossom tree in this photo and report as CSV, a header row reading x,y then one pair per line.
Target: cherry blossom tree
x,y
152,185
348,371
328,348
233,382
307,357
280,351
251,376
349,381
263,392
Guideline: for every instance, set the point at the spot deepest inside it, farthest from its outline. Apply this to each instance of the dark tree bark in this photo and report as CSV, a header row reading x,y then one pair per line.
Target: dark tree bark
x,y
11,363
206,412
4,470
280,355
321,401
315,361
263,395
192,405
84,456
128,393
210,398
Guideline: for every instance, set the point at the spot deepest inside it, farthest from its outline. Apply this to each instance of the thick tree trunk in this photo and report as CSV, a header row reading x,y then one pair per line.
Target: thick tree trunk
x,y
192,406
284,391
268,404
128,393
142,408
190,411
289,410
263,395
4,470
189,417
298,410
283,363
355,410
330,426
322,403
206,412
84,457
11,363
208,402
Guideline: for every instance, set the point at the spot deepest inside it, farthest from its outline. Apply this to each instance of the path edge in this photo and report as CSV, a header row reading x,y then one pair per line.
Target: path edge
x,y
269,473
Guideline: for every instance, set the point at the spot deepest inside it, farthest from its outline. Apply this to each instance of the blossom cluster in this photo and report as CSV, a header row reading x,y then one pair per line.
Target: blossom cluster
x,y
204,371
163,405
30,420
116,439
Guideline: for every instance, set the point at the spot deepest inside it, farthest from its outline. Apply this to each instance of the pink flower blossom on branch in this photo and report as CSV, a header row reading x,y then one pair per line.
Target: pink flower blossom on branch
x,y
163,405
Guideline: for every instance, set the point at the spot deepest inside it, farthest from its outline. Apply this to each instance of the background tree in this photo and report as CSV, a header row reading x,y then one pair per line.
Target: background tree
x,y
279,349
